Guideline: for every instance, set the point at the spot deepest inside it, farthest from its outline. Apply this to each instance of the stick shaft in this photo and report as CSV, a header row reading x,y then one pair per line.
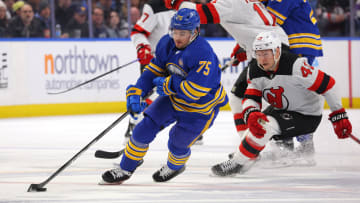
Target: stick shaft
x,y
229,63
95,78
97,138
355,138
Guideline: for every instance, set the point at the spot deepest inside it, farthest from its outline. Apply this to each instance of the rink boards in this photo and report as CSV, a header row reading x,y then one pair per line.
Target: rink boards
x,y
29,70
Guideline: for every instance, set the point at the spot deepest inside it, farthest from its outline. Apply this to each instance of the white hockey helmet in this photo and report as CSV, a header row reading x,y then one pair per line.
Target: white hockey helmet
x,y
266,40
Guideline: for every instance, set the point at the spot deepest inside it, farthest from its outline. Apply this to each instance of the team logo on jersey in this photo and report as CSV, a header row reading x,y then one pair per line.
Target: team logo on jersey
x,y
179,18
276,97
174,69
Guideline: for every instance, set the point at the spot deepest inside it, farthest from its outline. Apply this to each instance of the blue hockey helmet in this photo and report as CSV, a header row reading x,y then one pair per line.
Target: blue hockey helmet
x,y
185,19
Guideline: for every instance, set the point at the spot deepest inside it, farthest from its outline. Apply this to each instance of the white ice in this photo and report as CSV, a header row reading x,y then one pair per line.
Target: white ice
x,y
31,149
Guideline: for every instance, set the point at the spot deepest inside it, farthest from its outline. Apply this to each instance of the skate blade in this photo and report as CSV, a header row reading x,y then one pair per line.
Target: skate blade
x,y
102,182
199,142
219,176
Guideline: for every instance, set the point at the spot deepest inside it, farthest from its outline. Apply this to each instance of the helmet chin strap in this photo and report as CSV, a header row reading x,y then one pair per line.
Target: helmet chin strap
x,y
194,35
275,63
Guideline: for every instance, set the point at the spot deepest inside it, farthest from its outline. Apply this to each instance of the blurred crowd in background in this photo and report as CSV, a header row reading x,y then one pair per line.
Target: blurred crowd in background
x,y
110,18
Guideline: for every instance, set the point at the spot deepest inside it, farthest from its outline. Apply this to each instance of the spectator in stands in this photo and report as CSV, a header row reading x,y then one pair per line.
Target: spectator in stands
x,y
64,12
212,30
44,17
107,7
357,17
117,28
26,25
78,26
313,4
35,5
332,17
134,14
100,29
16,8
9,5
136,3
3,19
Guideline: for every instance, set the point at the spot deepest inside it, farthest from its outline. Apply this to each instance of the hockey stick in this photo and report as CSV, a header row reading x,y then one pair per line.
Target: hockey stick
x,y
355,138
40,186
229,63
108,155
95,78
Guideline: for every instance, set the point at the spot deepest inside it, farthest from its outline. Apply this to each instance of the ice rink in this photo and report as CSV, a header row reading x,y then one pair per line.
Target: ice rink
x,y
34,148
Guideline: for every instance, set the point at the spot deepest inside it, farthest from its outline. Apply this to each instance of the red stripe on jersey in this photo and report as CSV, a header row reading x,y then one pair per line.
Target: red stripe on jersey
x,y
246,152
239,122
138,29
253,92
261,14
199,9
238,116
274,19
243,101
253,144
330,84
241,127
318,81
214,13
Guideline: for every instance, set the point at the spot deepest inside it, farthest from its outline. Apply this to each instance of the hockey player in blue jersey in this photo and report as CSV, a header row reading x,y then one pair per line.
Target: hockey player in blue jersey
x,y
187,75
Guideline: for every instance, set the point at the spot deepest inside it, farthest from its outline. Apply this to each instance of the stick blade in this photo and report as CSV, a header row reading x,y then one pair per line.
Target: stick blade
x,y
36,188
108,155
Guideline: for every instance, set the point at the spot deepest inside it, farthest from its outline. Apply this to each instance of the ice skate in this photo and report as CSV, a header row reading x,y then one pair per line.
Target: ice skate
x,y
227,168
115,176
165,173
305,152
199,141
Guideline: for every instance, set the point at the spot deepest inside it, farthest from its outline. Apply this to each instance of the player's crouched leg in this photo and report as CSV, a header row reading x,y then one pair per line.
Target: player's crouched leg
x,y
248,151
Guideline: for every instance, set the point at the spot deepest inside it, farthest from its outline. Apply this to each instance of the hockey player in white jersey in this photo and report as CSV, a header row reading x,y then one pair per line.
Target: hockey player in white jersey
x,y
146,33
294,89
242,19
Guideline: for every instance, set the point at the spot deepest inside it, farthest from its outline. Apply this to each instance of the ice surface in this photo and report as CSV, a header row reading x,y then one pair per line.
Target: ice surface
x,y
34,148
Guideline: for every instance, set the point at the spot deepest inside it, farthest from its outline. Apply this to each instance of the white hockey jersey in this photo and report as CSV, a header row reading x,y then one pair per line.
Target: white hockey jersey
x,y
294,86
153,24
242,19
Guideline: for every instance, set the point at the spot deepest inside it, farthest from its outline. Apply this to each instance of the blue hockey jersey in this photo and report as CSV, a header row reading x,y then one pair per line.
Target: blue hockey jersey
x,y
298,21
199,89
